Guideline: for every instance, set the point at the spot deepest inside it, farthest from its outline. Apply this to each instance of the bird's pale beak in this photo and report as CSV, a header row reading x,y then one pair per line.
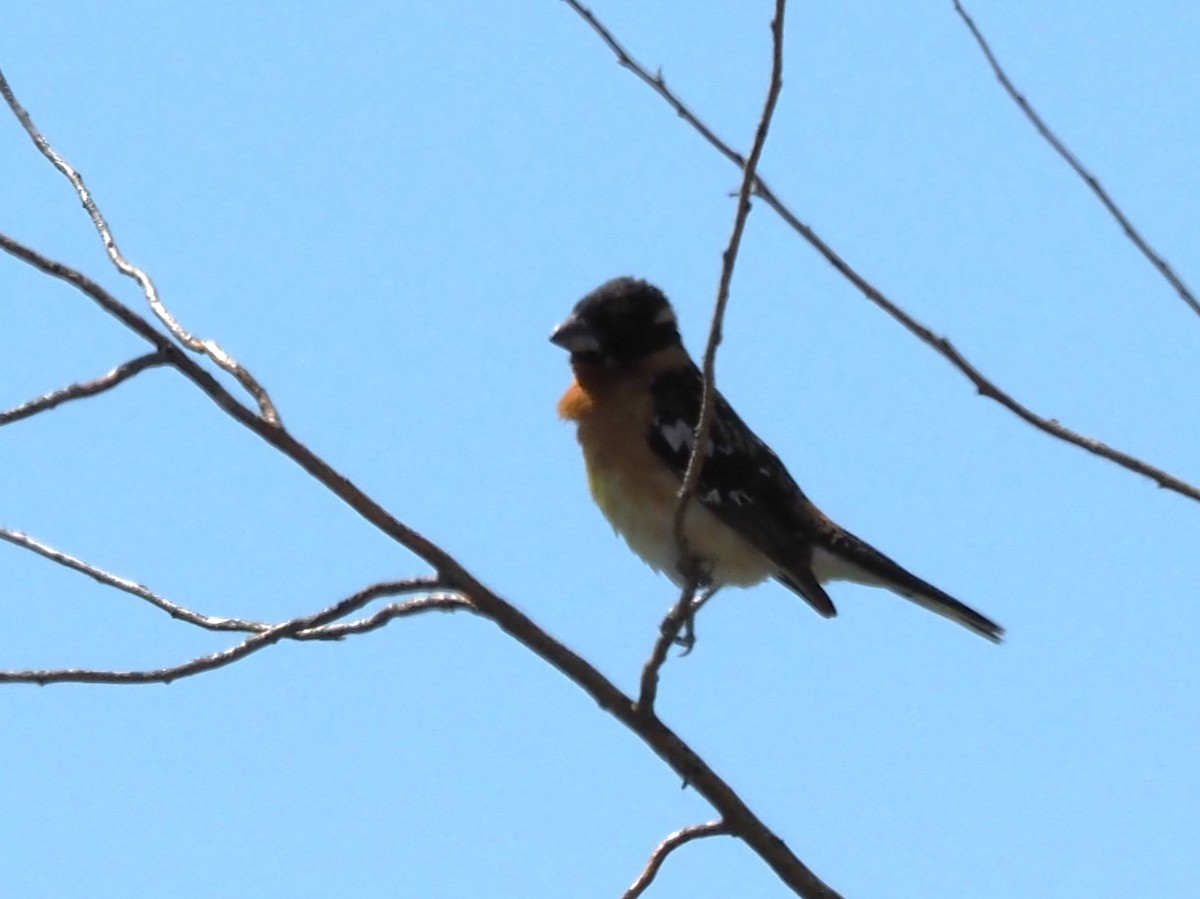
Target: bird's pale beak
x,y
575,336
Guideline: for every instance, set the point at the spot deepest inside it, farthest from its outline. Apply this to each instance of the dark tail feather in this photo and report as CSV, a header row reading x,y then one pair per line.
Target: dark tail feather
x,y
804,585
947,606
852,559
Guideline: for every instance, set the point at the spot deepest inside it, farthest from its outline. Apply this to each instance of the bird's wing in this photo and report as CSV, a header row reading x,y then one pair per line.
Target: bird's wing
x,y
746,486
743,482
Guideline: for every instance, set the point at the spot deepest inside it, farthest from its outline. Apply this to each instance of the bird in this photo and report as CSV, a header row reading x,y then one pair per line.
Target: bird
x,y
635,400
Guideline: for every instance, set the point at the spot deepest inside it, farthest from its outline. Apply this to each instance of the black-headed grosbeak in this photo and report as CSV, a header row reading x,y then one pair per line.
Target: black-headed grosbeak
x,y
636,401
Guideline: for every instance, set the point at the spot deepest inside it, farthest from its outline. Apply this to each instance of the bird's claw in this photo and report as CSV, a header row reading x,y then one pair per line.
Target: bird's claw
x,y
686,638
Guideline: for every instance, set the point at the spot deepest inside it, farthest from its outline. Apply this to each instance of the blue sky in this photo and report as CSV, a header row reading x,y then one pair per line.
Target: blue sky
x,y
382,209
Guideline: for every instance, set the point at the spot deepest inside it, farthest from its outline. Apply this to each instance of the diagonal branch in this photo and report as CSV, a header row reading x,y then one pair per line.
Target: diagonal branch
x,y
982,384
669,845
664,742
204,347
939,344
118,375
1072,160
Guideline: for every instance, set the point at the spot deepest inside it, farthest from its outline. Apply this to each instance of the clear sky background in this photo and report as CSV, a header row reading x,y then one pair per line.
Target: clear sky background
x,y
382,208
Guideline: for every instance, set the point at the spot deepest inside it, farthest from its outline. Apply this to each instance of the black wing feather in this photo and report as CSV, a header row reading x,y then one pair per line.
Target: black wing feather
x,y
743,482
745,485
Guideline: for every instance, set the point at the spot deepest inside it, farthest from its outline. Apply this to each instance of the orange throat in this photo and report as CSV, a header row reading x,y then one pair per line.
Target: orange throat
x,y
575,404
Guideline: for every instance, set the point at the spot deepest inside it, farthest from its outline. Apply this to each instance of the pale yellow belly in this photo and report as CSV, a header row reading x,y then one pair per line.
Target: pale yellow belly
x,y
641,508
637,490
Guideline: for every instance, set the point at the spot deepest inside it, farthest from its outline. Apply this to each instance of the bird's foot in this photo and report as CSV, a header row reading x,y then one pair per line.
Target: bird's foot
x,y
686,638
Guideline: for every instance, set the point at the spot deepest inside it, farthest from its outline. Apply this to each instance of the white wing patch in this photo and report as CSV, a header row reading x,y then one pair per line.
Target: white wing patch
x,y
678,435
681,437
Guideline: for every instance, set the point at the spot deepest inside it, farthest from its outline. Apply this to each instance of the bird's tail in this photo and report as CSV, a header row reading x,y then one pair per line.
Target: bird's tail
x,y
848,558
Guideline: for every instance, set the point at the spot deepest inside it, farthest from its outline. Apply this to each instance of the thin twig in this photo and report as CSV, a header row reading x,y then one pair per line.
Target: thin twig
x,y
203,347
211,622
441,602
942,346
668,632
665,743
127,586
695,466
118,375
1073,161
666,847
269,637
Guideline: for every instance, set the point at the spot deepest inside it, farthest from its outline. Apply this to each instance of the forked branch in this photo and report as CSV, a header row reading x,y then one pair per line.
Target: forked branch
x,y
214,622
207,348
290,629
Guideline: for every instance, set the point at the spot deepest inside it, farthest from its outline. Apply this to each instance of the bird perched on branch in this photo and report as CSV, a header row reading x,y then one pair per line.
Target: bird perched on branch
x,y
636,401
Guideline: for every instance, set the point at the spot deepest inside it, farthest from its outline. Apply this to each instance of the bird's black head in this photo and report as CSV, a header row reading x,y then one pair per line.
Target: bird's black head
x,y
620,322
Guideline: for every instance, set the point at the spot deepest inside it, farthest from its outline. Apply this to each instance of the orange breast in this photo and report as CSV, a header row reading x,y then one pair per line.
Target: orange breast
x,y
636,490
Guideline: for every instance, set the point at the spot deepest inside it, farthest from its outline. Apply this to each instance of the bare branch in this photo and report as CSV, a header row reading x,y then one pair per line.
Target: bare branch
x,y
669,845
134,589
691,478
1073,161
441,602
118,375
656,82
942,346
98,294
668,633
288,629
211,622
274,434
983,385
204,347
